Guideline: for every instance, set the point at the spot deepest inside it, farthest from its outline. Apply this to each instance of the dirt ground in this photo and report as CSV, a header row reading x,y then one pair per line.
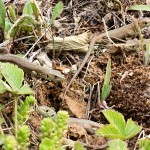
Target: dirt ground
x,y
130,79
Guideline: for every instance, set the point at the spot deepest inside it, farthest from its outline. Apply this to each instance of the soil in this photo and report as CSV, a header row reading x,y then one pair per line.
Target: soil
x,y
130,79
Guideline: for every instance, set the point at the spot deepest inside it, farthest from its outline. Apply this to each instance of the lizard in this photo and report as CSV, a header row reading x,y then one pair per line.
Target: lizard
x,y
88,125
51,74
121,32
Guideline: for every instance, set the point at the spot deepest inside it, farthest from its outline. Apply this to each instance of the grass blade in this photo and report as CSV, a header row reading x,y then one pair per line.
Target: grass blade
x,y
56,12
2,14
106,86
140,7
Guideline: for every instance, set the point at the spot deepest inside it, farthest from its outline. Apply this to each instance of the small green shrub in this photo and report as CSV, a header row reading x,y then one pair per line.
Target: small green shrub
x,y
23,134
53,130
25,108
29,20
118,127
10,143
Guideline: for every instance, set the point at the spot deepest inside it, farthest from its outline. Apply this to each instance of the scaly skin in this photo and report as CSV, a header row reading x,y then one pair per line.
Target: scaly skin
x,y
54,75
89,125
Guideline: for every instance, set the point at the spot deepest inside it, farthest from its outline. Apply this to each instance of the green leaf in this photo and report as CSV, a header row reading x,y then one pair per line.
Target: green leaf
x,y
115,118
13,75
35,10
56,12
106,86
1,108
110,131
79,146
8,26
144,144
2,139
25,89
27,10
24,20
105,92
108,73
47,144
7,87
2,14
2,87
131,129
1,120
140,7
118,128
12,12
117,144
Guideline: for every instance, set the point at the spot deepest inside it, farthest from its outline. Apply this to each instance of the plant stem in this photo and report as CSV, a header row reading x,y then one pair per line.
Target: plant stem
x,y
15,112
1,131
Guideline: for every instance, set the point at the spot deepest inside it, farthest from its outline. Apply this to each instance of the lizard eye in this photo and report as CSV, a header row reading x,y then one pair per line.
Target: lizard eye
x,y
145,23
55,77
47,110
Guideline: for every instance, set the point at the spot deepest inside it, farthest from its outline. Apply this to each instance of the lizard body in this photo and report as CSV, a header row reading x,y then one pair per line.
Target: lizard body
x,y
116,33
89,125
54,75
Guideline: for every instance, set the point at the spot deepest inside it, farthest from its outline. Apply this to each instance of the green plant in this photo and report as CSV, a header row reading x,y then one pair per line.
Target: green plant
x,y
106,86
21,143
118,127
117,144
25,108
13,25
23,134
144,144
11,79
57,11
10,143
13,83
14,77
2,14
52,131
12,13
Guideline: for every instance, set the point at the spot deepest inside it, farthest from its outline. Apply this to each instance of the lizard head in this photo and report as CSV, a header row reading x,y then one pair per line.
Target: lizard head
x,y
46,111
144,22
